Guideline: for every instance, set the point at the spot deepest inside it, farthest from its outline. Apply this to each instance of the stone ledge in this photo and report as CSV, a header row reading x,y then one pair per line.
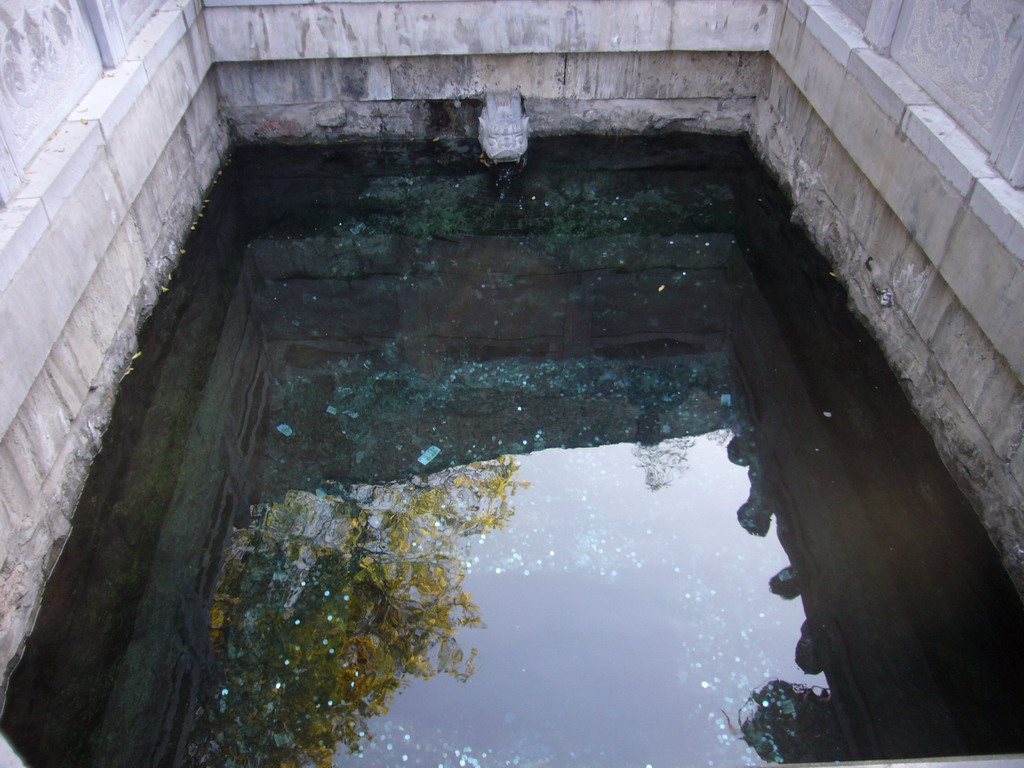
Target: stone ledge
x,y
833,30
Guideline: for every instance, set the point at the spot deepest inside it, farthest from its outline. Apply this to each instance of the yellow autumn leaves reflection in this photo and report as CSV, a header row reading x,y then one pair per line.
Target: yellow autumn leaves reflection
x,y
327,605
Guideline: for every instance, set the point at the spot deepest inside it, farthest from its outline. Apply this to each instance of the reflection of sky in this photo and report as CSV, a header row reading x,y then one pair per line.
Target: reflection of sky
x,y
620,622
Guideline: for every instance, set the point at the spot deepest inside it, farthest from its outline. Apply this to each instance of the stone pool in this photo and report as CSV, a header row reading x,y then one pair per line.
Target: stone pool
x,y
587,465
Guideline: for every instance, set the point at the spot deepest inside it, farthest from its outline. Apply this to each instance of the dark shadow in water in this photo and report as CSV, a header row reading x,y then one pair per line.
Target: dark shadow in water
x,y
622,290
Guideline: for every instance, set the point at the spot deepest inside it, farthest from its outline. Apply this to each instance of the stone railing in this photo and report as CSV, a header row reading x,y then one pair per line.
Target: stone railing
x,y
51,54
968,55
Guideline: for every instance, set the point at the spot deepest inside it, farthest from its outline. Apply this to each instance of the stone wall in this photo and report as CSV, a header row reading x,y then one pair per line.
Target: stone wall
x,y
87,243
327,99
926,235
899,151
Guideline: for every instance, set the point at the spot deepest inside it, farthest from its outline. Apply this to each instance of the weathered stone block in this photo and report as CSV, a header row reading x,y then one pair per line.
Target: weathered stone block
x,y
926,202
296,82
886,83
201,121
43,423
798,8
64,370
159,202
912,275
981,377
676,75
113,96
197,42
999,408
739,25
1001,207
59,168
27,456
551,117
19,483
457,77
140,137
819,75
864,129
946,146
39,299
815,143
937,300
22,224
833,30
990,282
786,42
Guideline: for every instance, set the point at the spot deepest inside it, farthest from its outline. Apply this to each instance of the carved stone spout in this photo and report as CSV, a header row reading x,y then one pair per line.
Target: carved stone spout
x,y
503,128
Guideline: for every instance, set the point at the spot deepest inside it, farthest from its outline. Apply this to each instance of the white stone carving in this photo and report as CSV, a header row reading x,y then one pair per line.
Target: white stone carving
x,y
504,128
967,50
47,61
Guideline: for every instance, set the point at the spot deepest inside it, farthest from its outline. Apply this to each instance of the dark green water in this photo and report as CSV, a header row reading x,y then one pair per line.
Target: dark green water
x,y
587,467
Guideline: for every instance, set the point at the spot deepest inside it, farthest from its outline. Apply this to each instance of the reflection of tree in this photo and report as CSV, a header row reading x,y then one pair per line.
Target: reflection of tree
x,y
328,604
790,723
664,462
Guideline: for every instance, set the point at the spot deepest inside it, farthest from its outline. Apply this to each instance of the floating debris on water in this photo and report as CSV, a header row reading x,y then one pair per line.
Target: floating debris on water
x,y
428,455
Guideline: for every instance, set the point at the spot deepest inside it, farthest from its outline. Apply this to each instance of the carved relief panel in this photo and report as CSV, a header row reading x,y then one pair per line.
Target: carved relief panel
x,y
967,54
48,60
